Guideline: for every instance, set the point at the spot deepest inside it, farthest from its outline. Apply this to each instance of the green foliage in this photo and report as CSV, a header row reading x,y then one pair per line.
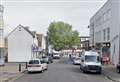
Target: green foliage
x,y
61,36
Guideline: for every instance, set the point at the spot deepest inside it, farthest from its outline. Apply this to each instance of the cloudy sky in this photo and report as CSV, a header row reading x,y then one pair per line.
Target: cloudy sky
x,y
38,14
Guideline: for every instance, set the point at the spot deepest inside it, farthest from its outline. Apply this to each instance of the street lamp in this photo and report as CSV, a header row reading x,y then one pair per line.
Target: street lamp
x,y
47,44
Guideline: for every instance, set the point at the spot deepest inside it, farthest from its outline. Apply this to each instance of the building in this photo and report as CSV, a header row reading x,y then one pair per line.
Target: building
x,y
41,41
105,30
20,44
1,36
84,42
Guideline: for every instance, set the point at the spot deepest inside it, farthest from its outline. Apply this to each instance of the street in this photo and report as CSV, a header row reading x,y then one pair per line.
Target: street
x,y
62,72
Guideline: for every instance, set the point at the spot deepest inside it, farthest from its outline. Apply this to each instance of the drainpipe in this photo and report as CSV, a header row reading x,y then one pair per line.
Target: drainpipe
x,y
119,48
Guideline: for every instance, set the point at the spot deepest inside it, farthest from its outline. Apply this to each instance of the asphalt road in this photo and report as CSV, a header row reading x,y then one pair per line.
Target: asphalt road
x,y
62,72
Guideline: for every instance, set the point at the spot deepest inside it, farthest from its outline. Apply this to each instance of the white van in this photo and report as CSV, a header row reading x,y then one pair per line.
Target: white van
x,y
90,62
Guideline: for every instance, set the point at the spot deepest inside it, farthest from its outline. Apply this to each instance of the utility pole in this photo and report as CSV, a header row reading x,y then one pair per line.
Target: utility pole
x,y
1,36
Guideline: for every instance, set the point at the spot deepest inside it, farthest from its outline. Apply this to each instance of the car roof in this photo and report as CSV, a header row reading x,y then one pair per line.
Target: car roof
x,y
93,53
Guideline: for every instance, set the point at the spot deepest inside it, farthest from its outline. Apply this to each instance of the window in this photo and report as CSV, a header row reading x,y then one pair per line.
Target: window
x,y
104,34
34,62
108,33
109,14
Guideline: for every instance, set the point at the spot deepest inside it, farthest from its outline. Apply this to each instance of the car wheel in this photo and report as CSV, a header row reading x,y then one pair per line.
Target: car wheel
x,y
47,68
99,72
28,71
118,70
83,71
42,70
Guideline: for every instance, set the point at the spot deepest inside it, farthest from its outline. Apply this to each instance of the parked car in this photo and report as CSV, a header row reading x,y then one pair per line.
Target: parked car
x,y
44,64
36,65
91,62
77,61
47,59
118,67
56,56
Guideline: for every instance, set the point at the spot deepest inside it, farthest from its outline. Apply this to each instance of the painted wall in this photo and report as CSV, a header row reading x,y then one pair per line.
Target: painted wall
x,y
19,46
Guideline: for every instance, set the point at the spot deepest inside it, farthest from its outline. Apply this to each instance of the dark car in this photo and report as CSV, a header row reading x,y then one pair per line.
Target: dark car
x,y
47,59
118,67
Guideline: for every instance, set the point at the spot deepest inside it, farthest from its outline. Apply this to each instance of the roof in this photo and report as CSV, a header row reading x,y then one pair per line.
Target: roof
x,y
25,28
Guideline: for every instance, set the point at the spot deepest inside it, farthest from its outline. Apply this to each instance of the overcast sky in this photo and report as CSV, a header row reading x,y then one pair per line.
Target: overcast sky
x,y
38,14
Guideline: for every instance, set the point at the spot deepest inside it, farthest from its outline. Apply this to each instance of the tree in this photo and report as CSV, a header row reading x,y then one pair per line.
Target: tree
x,y
61,36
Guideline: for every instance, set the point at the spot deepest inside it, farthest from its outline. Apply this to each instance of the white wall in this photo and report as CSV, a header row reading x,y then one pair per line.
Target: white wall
x,y
19,46
115,31
43,43
113,23
101,21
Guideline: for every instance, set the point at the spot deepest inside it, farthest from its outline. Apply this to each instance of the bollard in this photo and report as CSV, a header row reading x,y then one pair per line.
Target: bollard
x,y
26,65
19,67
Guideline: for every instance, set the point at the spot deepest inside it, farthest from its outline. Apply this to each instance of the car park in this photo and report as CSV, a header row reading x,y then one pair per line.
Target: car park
x,y
90,62
36,65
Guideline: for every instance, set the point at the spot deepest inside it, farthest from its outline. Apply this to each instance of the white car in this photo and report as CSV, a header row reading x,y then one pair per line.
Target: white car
x,y
91,62
77,61
36,65
44,64
56,56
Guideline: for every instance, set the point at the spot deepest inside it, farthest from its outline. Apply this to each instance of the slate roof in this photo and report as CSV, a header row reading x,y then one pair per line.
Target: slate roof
x,y
25,28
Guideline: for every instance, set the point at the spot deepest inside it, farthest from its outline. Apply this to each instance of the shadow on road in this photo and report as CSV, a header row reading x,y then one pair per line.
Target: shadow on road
x,y
76,69
33,73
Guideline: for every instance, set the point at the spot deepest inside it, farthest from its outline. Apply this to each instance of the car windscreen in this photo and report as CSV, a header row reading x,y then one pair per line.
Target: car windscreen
x,y
90,58
34,62
77,58
44,57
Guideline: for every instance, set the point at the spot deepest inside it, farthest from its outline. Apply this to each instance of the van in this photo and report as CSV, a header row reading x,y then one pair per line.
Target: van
x,y
90,62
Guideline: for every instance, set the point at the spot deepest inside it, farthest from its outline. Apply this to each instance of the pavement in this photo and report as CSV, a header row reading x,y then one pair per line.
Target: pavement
x,y
110,72
10,71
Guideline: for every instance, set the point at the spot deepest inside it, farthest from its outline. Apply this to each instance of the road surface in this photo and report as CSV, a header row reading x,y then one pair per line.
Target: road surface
x,y
62,72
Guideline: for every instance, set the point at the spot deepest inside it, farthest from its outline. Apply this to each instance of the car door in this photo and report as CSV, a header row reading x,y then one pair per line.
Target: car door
x,y
42,64
82,62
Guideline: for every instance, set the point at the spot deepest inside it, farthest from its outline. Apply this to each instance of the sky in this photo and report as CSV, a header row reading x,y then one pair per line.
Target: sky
x,y
38,14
